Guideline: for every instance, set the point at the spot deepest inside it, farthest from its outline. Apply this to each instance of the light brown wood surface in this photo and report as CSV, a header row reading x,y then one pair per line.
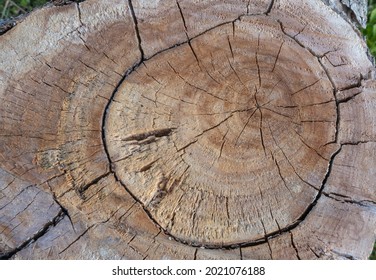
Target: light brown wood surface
x,y
186,130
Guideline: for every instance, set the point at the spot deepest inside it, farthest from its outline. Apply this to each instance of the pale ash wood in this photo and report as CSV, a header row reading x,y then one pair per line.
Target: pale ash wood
x,y
184,130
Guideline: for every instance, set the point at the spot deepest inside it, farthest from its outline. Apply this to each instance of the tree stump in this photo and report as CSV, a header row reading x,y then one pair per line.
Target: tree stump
x,y
187,130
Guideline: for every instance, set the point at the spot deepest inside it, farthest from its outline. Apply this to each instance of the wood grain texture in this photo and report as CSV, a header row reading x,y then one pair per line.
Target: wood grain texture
x,y
186,130
215,134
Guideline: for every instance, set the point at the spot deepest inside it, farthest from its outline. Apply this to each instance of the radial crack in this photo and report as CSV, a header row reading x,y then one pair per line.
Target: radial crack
x,y
65,211
223,144
277,57
194,53
261,134
280,175
130,4
230,46
294,246
245,125
269,7
308,146
77,238
214,126
182,17
350,98
35,237
257,62
196,87
79,14
313,251
236,74
292,166
304,88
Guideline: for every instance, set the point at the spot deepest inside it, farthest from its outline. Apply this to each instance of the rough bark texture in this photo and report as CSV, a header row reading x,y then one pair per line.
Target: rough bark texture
x,y
183,130
353,10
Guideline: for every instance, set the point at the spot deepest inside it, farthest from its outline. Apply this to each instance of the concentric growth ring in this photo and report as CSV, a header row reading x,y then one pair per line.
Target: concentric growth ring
x,y
213,133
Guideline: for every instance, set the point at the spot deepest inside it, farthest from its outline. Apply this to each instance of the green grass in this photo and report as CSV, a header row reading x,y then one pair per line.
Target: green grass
x,y
373,255
13,8
370,33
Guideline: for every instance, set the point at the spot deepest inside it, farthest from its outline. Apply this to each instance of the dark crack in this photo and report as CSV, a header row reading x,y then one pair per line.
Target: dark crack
x,y
294,246
356,143
261,134
157,133
289,162
18,194
280,175
136,29
245,125
89,228
319,59
214,126
314,252
193,52
308,146
346,199
182,17
202,90
277,57
349,98
236,74
306,87
257,62
76,239
230,46
63,209
35,237
248,6
79,14
269,7
84,188
148,166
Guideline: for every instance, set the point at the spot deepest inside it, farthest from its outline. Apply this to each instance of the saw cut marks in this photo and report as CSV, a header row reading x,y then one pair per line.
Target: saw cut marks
x,y
212,134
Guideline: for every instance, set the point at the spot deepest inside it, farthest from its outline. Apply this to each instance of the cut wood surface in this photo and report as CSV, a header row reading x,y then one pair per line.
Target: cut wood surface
x,y
187,130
